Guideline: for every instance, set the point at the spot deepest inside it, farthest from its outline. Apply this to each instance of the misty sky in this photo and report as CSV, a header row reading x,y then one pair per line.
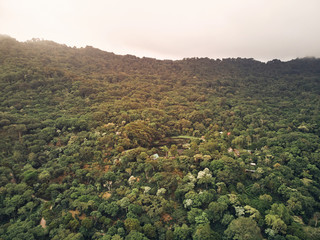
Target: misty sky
x,y
171,29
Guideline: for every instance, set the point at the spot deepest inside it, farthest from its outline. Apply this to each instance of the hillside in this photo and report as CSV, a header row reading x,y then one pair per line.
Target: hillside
x,y
95,145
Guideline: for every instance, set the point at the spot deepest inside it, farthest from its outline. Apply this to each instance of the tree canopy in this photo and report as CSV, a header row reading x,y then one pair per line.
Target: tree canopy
x,y
100,146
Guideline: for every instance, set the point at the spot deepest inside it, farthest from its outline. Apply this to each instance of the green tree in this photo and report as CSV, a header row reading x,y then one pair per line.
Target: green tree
x,y
132,224
243,228
216,210
44,176
277,224
135,235
149,231
181,233
204,232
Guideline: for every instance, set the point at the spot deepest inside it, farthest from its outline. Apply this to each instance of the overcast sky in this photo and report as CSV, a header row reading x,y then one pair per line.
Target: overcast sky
x,y
171,29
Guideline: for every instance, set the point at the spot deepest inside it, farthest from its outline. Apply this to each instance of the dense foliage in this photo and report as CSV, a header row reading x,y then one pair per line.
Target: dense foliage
x,y
99,146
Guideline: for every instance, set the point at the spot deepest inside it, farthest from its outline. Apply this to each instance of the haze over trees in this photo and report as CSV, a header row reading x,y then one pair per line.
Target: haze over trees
x,y
100,146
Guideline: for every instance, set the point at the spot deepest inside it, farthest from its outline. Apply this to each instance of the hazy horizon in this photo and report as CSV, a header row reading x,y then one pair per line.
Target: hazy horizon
x,y
151,57
259,29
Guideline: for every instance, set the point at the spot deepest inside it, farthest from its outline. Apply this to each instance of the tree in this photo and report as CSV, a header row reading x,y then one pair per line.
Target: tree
x,y
165,149
135,235
150,231
30,176
17,129
205,177
315,218
173,150
193,214
44,176
109,208
132,224
243,228
116,237
181,233
232,171
277,224
204,232
140,132
109,178
87,223
124,203
282,211
216,209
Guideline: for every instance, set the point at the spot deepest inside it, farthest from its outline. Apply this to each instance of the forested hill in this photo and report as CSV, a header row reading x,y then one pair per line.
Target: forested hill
x,y
94,145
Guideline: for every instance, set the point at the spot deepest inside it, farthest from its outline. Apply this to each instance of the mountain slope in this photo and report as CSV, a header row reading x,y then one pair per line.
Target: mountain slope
x,y
99,146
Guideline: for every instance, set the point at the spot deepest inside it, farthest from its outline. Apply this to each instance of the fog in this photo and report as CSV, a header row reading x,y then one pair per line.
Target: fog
x,y
260,29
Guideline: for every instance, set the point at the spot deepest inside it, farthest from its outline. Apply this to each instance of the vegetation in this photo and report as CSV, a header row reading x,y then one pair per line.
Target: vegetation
x,y
99,146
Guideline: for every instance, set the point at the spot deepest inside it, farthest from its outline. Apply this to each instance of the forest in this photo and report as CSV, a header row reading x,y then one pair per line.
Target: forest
x,y
95,145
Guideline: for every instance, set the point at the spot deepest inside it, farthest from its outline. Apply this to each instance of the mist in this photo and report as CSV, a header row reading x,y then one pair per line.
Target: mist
x,y
258,29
